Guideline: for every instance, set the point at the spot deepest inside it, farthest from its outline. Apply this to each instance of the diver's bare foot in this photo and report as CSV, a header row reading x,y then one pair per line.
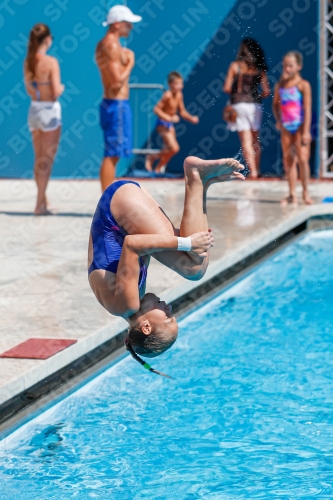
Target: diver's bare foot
x,y
211,171
307,200
290,200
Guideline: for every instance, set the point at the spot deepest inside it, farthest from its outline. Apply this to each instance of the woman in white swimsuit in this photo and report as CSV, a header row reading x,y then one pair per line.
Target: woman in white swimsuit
x,y
247,84
42,80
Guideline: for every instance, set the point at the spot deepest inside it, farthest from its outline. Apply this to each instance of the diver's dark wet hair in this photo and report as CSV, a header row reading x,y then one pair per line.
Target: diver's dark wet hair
x,y
134,355
149,345
255,49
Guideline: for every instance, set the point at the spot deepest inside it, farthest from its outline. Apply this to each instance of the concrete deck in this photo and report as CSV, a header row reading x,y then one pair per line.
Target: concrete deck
x,y
44,291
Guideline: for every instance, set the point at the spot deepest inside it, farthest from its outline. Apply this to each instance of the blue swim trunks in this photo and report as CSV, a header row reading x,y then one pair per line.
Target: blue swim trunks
x,y
164,123
116,122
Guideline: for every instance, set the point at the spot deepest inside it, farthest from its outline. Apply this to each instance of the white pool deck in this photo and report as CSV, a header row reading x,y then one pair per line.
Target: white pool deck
x,y
44,291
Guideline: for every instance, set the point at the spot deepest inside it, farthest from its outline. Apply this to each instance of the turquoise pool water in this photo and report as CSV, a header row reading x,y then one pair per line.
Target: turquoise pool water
x,y
250,414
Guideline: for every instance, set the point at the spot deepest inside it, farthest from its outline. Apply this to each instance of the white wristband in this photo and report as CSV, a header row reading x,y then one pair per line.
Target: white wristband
x,y
184,244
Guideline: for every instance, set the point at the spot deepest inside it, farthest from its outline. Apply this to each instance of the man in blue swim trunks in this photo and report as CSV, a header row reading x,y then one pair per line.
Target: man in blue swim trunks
x,y
115,64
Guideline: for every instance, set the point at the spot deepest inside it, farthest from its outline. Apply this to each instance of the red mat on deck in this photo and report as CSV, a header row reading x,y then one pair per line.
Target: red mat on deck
x,y
37,348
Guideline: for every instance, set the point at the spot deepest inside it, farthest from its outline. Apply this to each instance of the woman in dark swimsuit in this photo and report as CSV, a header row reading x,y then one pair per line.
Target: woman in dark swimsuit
x,y
128,227
245,77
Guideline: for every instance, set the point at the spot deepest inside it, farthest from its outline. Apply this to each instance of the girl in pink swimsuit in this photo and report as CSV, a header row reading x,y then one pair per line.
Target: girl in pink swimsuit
x,y
292,111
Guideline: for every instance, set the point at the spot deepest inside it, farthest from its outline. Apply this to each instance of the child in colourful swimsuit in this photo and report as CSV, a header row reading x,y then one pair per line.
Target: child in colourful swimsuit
x,y
292,111
171,102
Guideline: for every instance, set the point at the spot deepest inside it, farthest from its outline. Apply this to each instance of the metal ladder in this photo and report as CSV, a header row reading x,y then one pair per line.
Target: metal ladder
x,y
146,86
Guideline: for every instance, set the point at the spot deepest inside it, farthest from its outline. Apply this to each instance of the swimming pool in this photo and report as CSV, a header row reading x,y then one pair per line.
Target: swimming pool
x,y
250,414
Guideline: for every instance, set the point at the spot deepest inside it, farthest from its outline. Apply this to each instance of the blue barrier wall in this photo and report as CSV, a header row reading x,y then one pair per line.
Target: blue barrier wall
x,y
198,38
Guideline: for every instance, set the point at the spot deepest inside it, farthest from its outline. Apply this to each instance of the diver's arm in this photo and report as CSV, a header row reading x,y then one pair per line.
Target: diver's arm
x,y
148,244
122,298
125,299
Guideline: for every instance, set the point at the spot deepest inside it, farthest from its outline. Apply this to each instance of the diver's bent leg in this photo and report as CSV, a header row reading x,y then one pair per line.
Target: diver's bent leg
x,y
199,175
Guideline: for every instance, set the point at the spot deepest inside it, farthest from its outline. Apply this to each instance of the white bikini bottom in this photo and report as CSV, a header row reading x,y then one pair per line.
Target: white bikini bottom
x,y
44,115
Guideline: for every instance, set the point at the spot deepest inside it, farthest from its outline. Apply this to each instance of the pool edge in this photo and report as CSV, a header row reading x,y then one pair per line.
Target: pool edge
x,y
184,298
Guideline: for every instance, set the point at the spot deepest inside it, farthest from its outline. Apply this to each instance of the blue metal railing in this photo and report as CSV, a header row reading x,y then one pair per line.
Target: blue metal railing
x,y
144,86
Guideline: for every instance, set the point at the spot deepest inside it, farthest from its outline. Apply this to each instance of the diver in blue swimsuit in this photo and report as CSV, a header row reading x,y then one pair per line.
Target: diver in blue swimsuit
x,y
128,228
108,237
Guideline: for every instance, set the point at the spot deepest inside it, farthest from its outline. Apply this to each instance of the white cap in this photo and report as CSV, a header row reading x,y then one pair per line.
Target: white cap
x,y
120,13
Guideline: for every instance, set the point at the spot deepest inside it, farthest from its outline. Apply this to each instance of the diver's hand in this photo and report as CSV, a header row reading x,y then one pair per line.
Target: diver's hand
x,y
202,242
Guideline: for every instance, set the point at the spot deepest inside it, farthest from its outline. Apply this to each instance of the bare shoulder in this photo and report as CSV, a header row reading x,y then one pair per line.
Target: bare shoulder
x,y
304,86
107,47
52,61
167,95
46,66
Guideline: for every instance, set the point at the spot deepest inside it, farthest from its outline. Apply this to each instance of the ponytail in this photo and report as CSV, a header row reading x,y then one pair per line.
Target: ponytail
x,y
37,35
134,355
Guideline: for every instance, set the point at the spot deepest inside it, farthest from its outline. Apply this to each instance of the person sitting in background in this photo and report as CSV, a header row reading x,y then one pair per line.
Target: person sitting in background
x,y
244,78
166,109
292,111
43,85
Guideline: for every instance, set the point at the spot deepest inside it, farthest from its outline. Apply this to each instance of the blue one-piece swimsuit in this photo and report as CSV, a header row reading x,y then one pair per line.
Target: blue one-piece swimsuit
x,y
108,236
